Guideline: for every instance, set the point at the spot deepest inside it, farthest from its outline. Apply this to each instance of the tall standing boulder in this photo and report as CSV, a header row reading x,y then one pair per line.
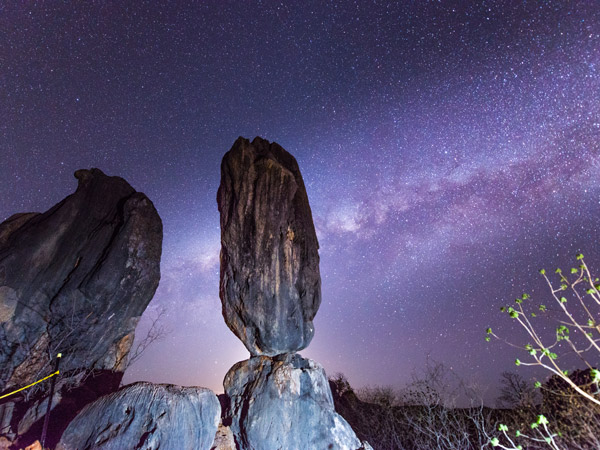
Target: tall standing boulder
x,y
270,286
270,289
76,280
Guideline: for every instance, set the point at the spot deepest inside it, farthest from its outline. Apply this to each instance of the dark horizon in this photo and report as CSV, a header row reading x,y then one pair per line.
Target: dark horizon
x,y
449,151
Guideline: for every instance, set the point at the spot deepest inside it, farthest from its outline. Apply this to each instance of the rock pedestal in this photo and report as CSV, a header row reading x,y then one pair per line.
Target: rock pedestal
x,y
270,285
284,402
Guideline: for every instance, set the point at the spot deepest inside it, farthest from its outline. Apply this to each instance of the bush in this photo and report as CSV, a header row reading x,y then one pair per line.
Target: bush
x,y
571,401
421,416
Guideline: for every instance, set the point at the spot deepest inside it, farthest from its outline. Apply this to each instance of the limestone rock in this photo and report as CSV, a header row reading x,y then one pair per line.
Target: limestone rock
x,y
284,403
270,286
75,280
146,416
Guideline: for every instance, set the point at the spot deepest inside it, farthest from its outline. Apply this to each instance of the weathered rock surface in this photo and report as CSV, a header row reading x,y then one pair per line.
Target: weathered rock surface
x,y
146,416
270,285
223,439
284,403
76,280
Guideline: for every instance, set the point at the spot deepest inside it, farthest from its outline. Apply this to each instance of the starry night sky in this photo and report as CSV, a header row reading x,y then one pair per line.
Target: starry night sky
x,y
449,149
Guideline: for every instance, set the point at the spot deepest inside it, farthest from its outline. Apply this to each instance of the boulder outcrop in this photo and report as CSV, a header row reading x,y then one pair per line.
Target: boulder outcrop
x,y
270,286
144,416
75,280
284,402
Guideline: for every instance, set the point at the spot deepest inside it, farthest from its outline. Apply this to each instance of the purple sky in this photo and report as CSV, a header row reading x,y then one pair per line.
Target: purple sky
x,y
450,149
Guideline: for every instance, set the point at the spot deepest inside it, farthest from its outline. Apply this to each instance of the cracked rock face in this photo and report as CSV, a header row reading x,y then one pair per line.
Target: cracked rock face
x,y
76,279
284,403
146,416
270,286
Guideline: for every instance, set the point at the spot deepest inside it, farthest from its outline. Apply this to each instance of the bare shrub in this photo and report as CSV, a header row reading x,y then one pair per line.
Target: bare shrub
x,y
423,415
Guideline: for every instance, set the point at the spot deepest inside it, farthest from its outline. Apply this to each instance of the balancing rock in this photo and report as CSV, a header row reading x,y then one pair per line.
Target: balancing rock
x,y
146,416
270,286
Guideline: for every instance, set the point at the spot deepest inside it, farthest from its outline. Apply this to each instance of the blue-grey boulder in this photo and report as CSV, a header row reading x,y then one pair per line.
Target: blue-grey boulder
x,y
146,416
270,286
284,403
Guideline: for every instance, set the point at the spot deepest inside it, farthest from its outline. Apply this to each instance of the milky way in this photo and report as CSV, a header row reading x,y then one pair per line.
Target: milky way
x,y
449,149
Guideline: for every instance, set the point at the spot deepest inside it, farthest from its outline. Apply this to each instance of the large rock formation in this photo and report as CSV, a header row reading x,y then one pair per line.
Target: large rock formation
x,y
270,285
284,403
76,280
146,416
271,290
